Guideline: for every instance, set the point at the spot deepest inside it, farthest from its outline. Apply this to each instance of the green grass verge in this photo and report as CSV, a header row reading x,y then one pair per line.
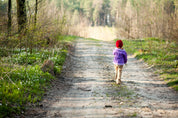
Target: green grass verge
x,y
162,54
21,79
92,39
67,38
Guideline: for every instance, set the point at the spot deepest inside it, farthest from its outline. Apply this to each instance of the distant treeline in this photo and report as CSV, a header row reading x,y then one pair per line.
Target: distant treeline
x,y
132,18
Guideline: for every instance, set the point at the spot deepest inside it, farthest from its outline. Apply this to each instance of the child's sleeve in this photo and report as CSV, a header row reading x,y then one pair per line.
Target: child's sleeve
x,y
125,57
114,52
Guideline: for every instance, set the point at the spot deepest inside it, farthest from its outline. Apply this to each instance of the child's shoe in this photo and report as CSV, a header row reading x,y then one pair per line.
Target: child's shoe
x,y
118,81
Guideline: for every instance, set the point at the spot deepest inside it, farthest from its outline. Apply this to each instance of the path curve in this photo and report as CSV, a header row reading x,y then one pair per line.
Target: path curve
x,y
86,89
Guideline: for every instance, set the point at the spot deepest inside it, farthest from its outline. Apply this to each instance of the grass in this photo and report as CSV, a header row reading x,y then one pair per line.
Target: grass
x,y
122,91
68,39
92,39
133,114
19,86
161,54
22,81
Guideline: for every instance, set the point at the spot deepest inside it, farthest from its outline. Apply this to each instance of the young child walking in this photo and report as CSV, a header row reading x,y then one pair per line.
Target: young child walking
x,y
120,58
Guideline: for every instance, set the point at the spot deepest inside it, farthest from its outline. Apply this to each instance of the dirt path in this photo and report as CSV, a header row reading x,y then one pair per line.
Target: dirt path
x,y
86,89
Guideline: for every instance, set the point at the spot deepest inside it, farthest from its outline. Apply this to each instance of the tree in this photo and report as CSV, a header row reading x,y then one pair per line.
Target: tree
x,y
105,11
75,18
36,10
21,14
124,3
114,11
96,16
169,7
169,10
9,16
87,8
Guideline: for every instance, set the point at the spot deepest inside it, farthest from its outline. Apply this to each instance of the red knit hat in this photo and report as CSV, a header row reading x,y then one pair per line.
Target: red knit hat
x,y
119,43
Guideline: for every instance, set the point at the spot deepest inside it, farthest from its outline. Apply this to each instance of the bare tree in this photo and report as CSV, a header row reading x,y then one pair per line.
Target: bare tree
x,y
21,14
9,16
36,10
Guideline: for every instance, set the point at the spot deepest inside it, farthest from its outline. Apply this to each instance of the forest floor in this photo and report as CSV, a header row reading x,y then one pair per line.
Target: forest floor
x,y
86,88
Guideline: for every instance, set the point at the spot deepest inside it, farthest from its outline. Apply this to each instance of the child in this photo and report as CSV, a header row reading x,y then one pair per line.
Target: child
x,y
120,58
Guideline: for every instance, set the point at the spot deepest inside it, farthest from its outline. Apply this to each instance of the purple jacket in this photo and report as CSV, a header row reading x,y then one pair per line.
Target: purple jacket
x,y
120,56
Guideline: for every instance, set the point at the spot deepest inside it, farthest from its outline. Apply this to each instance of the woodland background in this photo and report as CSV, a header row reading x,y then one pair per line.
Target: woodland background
x,y
132,18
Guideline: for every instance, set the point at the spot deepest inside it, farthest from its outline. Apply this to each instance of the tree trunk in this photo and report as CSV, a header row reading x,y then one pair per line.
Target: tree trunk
x,y
21,14
9,17
36,10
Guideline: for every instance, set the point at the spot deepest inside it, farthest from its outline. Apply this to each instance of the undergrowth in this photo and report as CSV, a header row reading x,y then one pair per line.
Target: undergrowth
x,y
161,54
22,81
